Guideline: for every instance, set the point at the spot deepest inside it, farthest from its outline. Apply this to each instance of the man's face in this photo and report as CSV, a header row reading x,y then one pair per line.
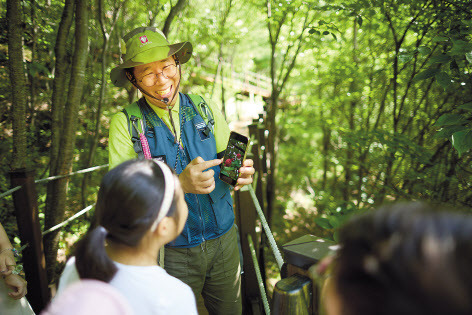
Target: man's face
x,y
163,87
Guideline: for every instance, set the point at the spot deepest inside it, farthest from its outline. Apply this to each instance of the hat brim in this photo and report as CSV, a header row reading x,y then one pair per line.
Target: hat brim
x,y
183,51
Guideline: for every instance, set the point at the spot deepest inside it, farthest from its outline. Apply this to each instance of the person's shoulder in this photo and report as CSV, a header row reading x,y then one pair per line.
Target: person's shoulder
x,y
69,275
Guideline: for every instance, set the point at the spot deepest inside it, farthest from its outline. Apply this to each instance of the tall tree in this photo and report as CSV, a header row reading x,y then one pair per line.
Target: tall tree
x,y
57,190
106,35
17,80
290,20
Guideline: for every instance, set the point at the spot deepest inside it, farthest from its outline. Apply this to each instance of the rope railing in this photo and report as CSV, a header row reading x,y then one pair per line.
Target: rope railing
x,y
72,218
268,232
90,169
9,192
48,179
260,282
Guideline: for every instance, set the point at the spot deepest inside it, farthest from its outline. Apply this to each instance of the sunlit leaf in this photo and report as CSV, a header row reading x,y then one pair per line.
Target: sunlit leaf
x,y
334,221
440,39
336,236
426,74
440,58
466,106
460,47
462,141
405,58
424,50
443,79
467,22
448,131
449,119
468,56
323,222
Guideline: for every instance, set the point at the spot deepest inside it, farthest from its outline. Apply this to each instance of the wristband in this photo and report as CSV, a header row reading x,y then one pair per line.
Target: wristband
x,y
15,252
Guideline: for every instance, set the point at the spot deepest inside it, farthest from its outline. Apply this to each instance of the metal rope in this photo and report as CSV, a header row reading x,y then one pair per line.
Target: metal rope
x,y
75,216
258,275
90,169
270,237
9,192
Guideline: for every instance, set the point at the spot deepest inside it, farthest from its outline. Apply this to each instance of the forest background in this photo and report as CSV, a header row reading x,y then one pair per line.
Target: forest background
x,y
369,101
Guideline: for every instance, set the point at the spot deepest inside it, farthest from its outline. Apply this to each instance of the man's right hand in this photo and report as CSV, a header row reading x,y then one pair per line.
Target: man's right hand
x,y
195,179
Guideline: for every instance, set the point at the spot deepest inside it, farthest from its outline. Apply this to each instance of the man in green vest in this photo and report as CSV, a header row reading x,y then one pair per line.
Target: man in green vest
x,y
191,138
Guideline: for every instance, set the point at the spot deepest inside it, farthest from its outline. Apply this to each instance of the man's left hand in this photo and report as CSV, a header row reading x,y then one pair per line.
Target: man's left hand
x,y
245,174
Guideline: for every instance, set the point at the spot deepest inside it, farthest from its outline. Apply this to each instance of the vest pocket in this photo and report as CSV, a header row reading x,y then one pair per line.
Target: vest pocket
x,y
223,210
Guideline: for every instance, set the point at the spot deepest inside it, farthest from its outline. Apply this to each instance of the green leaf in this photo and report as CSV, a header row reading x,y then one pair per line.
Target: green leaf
x,y
440,39
311,31
405,58
336,236
334,221
426,74
359,20
424,50
467,22
448,131
321,22
443,79
442,58
468,56
323,222
462,141
334,36
460,47
466,106
325,33
449,120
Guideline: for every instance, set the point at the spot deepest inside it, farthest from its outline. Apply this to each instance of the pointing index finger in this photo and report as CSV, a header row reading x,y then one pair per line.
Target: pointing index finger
x,y
207,164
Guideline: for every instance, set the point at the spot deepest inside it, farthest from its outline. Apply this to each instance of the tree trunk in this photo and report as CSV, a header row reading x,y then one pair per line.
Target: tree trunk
x,y
18,84
95,137
352,112
57,204
32,78
179,6
59,85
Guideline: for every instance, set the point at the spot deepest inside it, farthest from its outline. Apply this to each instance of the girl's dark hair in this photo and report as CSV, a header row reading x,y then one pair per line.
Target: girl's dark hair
x,y
128,203
405,259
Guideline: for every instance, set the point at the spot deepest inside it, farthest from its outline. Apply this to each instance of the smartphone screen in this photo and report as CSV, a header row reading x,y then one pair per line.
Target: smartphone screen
x,y
233,159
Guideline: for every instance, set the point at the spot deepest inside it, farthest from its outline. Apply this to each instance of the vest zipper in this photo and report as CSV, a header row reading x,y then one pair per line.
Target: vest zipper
x,y
201,219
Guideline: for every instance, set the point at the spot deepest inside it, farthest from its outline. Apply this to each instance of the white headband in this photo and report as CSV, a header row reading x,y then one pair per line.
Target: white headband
x,y
169,187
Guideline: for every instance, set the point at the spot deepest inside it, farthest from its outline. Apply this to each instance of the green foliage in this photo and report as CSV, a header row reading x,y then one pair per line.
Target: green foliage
x,y
451,67
377,90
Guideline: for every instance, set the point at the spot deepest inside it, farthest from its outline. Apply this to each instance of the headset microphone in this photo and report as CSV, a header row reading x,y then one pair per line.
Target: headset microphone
x,y
165,100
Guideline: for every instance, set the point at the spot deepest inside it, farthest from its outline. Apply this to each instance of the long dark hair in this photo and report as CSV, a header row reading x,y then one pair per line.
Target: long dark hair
x,y
407,259
128,203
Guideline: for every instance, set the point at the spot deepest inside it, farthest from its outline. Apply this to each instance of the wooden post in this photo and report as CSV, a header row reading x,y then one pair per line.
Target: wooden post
x,y
247,218
34,263
246,215
302,253
261,190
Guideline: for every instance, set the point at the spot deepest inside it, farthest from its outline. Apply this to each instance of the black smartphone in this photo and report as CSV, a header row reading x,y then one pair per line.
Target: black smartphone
x,y
234,157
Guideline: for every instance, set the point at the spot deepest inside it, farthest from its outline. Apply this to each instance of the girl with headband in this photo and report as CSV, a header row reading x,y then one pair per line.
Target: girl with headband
x,y
140,208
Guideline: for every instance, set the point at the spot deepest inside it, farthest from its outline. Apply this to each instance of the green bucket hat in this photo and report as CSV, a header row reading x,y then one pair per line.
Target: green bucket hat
x,y
145,45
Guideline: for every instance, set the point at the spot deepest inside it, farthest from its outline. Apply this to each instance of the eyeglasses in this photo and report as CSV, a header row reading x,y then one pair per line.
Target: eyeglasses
x,y
167,72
